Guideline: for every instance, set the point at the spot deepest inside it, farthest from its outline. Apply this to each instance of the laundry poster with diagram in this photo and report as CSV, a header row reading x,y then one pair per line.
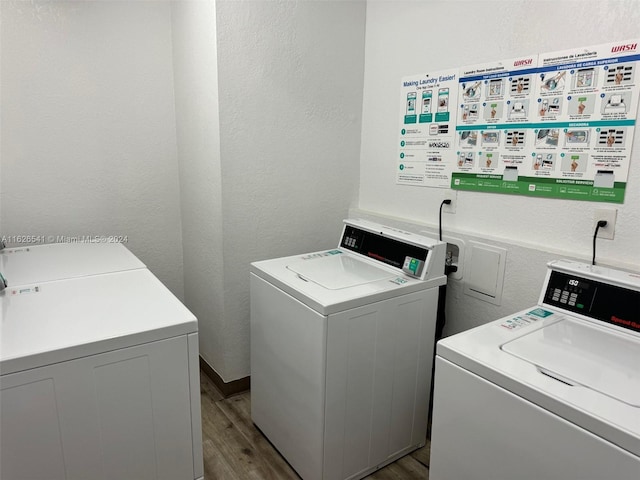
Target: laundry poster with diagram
x,y
557,125
494,104
426,139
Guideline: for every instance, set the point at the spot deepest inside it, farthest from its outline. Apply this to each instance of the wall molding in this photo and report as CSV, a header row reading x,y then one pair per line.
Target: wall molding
x,y
227,389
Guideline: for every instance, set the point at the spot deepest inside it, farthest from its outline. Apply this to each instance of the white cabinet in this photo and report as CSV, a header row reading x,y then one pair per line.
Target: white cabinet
x,y
481,430
341,395
125,414
379,360
99,379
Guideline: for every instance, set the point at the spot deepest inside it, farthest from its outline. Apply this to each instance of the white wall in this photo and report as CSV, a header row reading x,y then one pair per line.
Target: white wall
x,y
268,101
88,126
94,142
409,37
290,82
269,110
198,131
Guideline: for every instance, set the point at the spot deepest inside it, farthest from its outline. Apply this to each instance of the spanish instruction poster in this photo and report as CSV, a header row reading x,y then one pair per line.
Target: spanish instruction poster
x,y
557,125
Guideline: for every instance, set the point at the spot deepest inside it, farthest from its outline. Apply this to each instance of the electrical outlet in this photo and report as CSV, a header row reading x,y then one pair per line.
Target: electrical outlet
x,y
453,196
608,214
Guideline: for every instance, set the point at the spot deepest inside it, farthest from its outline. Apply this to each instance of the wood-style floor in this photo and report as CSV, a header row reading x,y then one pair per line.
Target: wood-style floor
x,y
234,449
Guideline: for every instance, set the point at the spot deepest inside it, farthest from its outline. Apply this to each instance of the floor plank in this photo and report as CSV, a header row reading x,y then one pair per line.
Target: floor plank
x,y
422,454
234,449
238,410
404,468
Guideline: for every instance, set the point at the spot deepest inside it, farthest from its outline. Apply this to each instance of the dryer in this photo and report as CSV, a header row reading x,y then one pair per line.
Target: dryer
x,y
550,392
342,350
99,369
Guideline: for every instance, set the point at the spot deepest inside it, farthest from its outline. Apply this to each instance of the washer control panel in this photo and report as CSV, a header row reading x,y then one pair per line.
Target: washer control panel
x,y
596,299
412,266
384,249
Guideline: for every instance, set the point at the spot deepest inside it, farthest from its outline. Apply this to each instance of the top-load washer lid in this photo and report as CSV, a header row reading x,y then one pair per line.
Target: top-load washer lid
x,y
53,322
59,261
339,271
574,352
372,263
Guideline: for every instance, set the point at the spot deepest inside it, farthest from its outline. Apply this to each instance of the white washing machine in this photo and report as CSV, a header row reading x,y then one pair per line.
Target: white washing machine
x,y
99,374
342,350
59,261
552,392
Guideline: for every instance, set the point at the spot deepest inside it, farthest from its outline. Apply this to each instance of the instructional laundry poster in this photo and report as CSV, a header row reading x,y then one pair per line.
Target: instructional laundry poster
x,y
427,129
557,124
495,103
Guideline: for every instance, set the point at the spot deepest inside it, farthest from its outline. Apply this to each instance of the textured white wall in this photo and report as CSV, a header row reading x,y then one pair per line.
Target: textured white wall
x,y
198,132
91,137
524,273
88,126
408,37
290,80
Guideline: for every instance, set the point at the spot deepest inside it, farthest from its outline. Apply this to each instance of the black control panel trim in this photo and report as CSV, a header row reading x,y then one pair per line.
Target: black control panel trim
x,y
379,247
597,300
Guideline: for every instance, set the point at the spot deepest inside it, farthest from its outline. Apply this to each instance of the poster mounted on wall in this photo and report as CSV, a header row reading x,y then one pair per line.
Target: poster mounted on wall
x,y
494,102
427,129
555,125
563,129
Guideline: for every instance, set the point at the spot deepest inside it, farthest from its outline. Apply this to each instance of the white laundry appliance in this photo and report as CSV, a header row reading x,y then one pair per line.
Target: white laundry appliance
x,y
552,392
342,350
59,261
99,374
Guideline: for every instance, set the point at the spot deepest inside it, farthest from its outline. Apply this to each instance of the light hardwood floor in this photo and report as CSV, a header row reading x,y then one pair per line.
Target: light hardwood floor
x,y
234,449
